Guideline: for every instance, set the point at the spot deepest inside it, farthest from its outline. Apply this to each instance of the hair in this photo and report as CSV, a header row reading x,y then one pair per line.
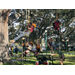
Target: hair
x,y
15,46
31,44
30,23
38,46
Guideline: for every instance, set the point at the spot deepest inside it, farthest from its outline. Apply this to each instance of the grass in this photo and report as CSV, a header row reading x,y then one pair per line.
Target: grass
x,y
69,60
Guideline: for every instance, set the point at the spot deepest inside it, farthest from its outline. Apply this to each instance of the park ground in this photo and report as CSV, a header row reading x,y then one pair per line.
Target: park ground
x,y
69,59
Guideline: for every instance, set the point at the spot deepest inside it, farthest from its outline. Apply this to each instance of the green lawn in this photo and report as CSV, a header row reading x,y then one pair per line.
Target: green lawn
x,y
69,60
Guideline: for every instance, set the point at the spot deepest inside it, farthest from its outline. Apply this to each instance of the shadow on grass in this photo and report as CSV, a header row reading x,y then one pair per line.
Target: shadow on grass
x,y
69,60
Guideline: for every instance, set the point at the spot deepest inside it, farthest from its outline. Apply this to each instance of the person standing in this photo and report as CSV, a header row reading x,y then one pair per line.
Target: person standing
x,y
9,50
61,56
12,51
16,50
50,45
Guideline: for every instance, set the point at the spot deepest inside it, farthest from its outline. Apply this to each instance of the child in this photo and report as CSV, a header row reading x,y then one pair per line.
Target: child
x,y
30,28
50,45
9,50
61,55
27,33
28,50
56,25
37,50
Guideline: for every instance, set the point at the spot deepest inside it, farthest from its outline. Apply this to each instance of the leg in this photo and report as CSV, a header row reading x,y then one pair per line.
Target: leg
x,y
27,33
61,61
51,49
36,53
16,52
19,57
19,36
22,57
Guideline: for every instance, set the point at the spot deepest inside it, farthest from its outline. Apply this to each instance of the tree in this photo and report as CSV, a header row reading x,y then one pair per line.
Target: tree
x,y
4,35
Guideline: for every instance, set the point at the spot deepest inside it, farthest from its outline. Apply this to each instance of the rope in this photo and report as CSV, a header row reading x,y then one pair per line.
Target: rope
x,y
56,14
59,28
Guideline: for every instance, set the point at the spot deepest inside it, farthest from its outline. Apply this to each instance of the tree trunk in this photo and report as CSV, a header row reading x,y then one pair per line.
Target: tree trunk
x,y
4,36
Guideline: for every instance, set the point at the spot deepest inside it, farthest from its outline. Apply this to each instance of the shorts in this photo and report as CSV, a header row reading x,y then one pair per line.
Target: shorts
x,y
24,55
38,50
27,33
9,51
62,57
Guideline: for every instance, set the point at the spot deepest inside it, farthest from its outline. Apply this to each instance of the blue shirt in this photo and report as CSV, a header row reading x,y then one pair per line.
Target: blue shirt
x,y
16,49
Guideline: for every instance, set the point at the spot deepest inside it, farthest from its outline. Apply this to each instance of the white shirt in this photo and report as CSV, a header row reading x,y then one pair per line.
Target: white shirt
x,y
9,49
30,47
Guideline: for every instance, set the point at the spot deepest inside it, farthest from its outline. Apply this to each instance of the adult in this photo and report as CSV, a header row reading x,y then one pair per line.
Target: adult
x,y
16,50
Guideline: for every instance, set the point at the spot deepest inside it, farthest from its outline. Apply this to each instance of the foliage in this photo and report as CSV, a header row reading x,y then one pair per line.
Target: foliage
x,y
45,19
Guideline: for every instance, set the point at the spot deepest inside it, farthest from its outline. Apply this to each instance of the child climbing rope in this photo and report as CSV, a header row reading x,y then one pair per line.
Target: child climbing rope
x,y
30,29
56,25
61,55
50,45
27,33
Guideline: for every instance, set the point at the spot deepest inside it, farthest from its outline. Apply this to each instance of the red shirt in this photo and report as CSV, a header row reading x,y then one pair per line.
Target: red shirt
x,y
32,28
57,25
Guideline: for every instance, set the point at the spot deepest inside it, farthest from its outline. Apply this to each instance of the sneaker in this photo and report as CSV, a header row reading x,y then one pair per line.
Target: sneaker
x,y
47,63
37,63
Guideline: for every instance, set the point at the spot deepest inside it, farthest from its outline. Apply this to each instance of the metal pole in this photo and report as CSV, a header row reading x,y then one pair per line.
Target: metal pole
x,y
46,42
66,45
52,60
22,52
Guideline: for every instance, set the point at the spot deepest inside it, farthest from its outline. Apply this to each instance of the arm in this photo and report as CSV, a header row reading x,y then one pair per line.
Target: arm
x,y
53,54
29,28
